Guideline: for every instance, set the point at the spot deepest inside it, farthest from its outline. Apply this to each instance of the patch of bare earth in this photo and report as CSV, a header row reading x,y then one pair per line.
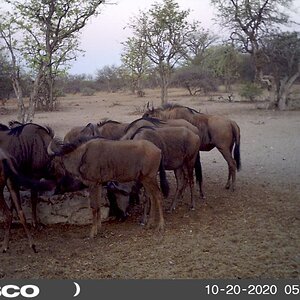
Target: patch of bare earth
x,y
253,232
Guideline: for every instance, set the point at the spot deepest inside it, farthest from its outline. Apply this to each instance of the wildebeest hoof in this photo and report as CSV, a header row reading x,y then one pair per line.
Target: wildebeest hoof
x,y
170,210
160,228
93,234
149,225
39,226
34,248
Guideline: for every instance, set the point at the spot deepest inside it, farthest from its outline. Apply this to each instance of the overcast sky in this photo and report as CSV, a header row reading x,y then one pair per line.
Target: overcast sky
x,y
101,38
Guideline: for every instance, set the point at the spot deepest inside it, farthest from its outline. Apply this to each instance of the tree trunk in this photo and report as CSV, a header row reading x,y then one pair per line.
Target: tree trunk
x,y
19,94
51,94
285,87
33,97
164,87
282,94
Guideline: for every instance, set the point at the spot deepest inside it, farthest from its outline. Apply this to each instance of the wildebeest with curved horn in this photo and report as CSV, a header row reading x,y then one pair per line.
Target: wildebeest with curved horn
x,y
27,145
215,131
97,161
180,150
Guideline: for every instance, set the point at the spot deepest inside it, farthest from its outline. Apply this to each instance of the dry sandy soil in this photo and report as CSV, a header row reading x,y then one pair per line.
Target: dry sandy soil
x,y
253,232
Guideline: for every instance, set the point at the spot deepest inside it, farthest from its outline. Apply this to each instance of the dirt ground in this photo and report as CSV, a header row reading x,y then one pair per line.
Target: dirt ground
x,y
253,232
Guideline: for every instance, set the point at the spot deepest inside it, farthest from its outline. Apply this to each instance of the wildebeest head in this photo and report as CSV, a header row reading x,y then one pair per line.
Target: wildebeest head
x,y
65,182
120,196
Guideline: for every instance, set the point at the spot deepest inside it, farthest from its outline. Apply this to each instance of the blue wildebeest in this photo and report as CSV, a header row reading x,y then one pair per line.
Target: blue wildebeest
x,y
10,178
27,145
98,161
112,130
180,150
214,131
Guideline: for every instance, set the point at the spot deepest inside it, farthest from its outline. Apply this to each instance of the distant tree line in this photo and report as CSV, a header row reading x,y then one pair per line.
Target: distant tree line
x,y
196,78
39,39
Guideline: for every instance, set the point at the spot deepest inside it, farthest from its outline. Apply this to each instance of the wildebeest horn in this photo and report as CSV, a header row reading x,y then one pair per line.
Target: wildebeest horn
x,y
49,150
54,146
152,108
148,105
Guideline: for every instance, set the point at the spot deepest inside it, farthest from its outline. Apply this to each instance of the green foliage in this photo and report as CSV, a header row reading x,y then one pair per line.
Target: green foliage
x,y
6,88
250,91
136,65
88,91
163,31
49,32
110,79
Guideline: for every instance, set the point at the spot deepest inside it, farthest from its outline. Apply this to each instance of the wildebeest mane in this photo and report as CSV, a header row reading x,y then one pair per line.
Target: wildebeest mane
x,y
70,147
16,131
141,129
154,121
14,123
170,106
3,127
102,123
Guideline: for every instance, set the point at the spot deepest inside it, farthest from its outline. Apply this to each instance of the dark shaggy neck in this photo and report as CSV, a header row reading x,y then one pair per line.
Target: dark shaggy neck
x,y
3,127
140,130
70,147
16,131
170,106
154,121
100,124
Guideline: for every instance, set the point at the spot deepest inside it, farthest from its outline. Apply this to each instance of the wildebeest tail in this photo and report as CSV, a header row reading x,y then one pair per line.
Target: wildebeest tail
x,y
198,169
10,172
236,150
164,185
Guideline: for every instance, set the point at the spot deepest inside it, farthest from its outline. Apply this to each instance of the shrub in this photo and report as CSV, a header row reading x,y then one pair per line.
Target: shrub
x,y
250,91
88,91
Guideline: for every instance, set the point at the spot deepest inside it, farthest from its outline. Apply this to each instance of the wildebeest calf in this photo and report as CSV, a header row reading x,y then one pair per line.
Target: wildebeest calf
x,y
98,161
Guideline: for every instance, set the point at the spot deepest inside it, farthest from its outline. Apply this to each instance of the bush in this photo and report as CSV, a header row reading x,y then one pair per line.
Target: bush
x,y
250,91
195,80
88,91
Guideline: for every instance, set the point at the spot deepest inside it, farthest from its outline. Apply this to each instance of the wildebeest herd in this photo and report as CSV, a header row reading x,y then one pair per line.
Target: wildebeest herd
x,y
122,157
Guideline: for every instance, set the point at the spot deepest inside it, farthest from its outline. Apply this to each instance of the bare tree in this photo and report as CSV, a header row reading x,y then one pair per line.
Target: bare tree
x,y
249,21
283,52
197,42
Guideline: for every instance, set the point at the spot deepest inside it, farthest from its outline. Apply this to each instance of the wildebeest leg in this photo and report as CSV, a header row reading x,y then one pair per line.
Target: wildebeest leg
x,y
34,200
231,168
153,191
146,209
95,197
190,178
8,220
15,195
199,175
181,184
